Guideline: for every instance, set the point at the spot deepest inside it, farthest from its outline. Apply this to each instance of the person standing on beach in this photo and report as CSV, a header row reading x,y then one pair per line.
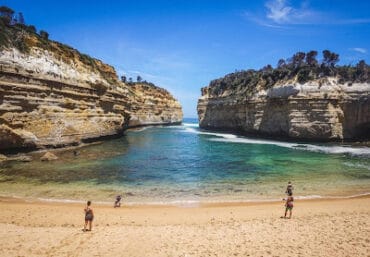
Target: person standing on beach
x,y
289,188
89,216
289,205
117,203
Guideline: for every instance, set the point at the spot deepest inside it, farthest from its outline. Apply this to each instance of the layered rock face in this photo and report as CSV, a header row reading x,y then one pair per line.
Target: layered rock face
x,y
50,100
311,111
153,106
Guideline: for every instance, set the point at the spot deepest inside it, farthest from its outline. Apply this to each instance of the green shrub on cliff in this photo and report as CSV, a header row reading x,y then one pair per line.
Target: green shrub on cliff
x,y
44,35
301,67
3,37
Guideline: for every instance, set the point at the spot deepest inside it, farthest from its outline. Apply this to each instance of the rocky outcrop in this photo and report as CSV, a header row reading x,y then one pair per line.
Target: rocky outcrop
x,y
53,98
320,110
48,156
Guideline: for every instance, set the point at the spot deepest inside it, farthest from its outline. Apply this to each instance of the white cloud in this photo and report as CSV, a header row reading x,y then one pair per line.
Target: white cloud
x,y
261,22
359,50
279,11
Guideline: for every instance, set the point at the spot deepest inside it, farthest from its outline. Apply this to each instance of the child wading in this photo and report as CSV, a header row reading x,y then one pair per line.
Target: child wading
x,y
89,216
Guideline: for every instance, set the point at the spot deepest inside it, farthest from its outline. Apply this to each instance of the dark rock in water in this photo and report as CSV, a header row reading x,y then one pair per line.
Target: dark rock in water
x,y
48,156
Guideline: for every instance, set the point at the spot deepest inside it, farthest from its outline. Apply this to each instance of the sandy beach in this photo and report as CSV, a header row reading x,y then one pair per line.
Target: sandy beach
x,y
317,228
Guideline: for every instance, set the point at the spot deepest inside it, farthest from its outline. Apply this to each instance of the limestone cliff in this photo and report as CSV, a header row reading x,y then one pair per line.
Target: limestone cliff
x,y
153,106
54,96
320,109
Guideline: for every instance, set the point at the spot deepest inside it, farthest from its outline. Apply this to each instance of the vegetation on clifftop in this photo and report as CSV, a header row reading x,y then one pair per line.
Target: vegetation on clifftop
x,y
15,33
142,83
301,67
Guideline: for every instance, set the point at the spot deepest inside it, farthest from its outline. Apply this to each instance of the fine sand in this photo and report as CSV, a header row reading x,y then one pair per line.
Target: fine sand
x,y
317,228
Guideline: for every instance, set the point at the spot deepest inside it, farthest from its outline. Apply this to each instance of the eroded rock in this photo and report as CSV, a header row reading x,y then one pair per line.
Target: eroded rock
x,y
66,100
312,111
48,156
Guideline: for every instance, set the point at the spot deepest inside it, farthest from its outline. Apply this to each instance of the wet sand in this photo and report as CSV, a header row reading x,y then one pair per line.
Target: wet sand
x,y
317,228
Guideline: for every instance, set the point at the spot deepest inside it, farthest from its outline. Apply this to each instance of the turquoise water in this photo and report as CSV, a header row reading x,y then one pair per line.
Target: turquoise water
x,y
180,164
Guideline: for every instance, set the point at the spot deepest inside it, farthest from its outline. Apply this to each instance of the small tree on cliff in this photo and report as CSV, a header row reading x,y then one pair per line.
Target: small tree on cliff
x,y
311,58
139,78
21,18
362,71
330,58
281,63
44,34
31,29
298,59
123,79
6,14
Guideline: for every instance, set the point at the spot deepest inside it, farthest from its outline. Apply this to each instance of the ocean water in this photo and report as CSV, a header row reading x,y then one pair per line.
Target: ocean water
x,y
184,164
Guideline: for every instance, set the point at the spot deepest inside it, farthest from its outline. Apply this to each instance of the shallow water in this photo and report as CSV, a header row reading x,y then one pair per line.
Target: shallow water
x,y
183,164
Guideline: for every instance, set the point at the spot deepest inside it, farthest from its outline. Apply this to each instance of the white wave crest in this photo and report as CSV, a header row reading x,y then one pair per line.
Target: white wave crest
x,y
223,135
357,165
332,149
193,125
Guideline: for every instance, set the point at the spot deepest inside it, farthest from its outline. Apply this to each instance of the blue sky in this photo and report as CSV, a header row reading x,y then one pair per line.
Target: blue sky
x,y
182,45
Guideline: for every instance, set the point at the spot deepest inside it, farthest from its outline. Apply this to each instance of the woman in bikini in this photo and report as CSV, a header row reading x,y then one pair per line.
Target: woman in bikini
x,y
89,216
289,205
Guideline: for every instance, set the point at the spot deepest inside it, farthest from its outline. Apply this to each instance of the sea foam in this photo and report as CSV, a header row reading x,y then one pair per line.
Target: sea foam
x,y
332,149
223,135
194,125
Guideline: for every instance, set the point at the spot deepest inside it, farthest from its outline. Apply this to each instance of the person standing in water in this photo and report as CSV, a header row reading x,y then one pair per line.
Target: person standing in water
x,y
89,216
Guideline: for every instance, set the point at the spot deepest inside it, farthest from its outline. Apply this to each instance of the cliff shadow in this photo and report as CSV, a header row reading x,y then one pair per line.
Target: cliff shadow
x,y
357,119
275,120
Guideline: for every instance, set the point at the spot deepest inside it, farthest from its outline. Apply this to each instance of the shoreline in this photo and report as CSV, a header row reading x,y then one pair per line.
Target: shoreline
x,y
210,202
178,204
336,227
182,203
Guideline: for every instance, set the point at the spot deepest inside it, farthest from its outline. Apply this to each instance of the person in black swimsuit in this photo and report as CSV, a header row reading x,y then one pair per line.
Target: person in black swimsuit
x,y
117,203
89,216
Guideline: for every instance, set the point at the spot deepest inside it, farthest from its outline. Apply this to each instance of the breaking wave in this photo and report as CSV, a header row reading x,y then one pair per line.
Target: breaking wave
x,y
328,149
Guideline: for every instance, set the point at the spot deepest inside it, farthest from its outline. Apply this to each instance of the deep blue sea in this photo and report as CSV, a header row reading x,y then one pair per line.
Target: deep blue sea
x,y
184,164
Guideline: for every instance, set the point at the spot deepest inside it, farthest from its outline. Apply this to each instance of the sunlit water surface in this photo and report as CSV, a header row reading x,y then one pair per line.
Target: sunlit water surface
x,y
183,164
